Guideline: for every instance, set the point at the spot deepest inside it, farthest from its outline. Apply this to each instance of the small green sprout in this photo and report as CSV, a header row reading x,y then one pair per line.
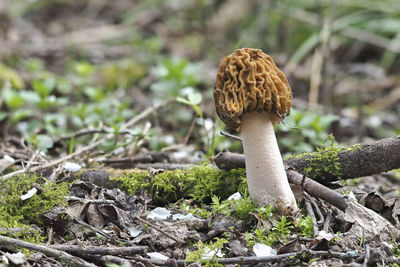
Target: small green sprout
x,y
207,253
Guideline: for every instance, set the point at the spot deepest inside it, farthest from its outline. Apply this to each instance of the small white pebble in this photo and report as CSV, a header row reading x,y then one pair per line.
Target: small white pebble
x,y
187,217
71,167
134,232
159,214
324,235
9,159
157,256
29,194
262,250
235,196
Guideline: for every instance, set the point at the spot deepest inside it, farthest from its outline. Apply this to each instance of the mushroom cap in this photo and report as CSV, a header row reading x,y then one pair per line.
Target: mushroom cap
x,y
247,81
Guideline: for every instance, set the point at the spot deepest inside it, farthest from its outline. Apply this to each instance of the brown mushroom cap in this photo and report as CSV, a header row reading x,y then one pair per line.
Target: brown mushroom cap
x,y
248,80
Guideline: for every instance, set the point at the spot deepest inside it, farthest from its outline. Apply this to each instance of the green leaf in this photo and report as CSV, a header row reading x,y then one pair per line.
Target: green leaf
x,y
71,145
198,111
3,115
195,98
30,97
183,100
83,68
95,93
8,74
12,99
44,142
42,89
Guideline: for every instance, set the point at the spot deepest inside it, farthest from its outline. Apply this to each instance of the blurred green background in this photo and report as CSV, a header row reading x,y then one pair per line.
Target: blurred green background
x,y
71,65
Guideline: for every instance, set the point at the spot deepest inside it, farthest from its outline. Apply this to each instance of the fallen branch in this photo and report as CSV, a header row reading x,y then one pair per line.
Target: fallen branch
x,y
50,252
89,250
362,160
317,190
256,260
177,240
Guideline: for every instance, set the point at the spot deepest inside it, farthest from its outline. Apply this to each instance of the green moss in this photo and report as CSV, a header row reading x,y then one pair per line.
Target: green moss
x,y
243,207
18,213
197,183
325,160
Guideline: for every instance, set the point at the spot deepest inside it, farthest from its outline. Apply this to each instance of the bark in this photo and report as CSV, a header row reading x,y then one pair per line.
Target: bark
x,y
317,190
367,159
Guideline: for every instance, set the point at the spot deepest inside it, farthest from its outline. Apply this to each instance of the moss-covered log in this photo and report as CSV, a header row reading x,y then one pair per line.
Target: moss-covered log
x,y
344,163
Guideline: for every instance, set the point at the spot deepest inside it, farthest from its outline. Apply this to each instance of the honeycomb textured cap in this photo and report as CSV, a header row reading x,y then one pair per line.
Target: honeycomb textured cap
x,y
247,81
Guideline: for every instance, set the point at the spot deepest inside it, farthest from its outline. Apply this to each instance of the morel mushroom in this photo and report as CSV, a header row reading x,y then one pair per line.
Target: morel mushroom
x,y
252,94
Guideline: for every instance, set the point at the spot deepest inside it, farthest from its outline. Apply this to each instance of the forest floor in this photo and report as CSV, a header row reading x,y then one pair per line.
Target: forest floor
x,y
109,148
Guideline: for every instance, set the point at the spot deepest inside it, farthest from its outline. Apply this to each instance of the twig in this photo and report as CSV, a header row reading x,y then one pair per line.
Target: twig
x,y
114,259
59,255
8,164
256,260
190,131
92,201
317,190
318,210
234,137
311,214
327,221
145,113
91,228
177,240
366,256
88,250
68,157
11,174
164,166
88,132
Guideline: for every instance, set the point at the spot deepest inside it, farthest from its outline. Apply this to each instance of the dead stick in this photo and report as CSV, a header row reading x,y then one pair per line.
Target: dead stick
x,y
88,250
179,241
256,260
362,160
59,255
88,132
317,190
310,212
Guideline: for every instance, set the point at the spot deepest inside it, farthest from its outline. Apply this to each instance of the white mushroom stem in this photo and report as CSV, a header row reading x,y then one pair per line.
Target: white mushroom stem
x,y
266,176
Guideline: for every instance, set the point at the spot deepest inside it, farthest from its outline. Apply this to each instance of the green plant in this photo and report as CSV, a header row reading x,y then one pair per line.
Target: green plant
x,y
260,235
53,105
243,207
283,227
207,253
266,212
193,100
305,226
313,130
219,207
174,74
279,232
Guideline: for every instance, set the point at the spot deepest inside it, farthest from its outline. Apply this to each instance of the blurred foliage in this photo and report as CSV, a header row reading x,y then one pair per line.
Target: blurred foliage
x,y
175,44
302,131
